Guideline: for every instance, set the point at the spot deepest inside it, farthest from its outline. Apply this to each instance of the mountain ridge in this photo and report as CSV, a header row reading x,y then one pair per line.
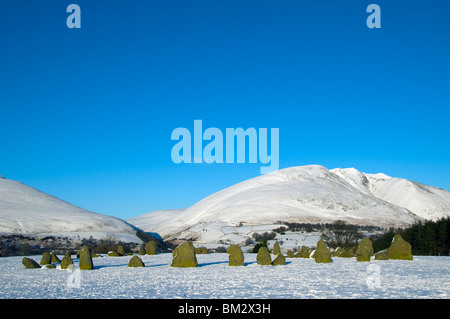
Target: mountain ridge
x,y
311,194
27,210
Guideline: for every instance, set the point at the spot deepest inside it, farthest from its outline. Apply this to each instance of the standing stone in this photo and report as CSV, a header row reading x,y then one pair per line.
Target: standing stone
x,y
263,257
276,249
150,248
135,261
365,250
201,250
304,252
30,263
66,261
382,255
46,259
86,259
231,247
49,266
113,253
236,256
347,253
54,258
337,251
322,253
184,256
399,249
279,260
120,250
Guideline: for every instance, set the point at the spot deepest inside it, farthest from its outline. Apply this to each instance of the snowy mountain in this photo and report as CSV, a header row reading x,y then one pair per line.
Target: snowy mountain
x,y
428,202
26,210
305,194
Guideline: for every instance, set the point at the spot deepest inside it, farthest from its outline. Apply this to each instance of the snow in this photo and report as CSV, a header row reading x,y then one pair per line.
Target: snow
x,y
304,194
425,201
423,277
26,210
153,220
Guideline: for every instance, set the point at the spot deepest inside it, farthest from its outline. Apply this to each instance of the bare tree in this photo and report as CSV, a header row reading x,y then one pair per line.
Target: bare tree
x,y
342,234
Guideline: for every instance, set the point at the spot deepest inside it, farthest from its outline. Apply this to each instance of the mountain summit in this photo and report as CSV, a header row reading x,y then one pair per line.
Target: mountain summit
x,y
304,194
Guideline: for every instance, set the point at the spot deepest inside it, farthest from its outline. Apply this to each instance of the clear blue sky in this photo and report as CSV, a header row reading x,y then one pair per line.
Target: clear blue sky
x,y
86,114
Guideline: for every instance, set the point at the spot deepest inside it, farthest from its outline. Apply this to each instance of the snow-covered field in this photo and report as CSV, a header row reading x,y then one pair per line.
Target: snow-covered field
x,y
424,277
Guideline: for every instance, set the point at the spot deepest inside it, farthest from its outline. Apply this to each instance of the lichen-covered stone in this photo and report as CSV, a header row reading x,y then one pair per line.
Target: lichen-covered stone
x,y
46,259
184,256
365,250
135,261
236,257
276,249
399,249
304,252
201,250
347,253
66,261
263,257
120,250
54,258
382,255
337,252
322,253
113,254
30,263
279,260
231,247
150,248
86,259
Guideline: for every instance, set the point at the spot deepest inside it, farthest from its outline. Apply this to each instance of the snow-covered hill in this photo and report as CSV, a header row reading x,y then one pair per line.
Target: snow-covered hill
x,y
26,210
305,194
428,202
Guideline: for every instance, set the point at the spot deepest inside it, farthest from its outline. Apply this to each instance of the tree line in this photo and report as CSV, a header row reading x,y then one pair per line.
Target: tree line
x,y
429,238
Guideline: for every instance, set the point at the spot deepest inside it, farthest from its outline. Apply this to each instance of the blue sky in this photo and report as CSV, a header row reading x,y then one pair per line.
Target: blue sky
x,y
86,114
